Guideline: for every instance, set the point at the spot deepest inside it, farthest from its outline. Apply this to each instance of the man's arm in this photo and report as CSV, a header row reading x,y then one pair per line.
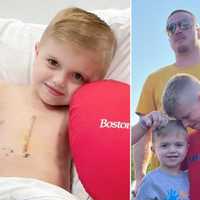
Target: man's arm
x,y
139,130
141,153
141,157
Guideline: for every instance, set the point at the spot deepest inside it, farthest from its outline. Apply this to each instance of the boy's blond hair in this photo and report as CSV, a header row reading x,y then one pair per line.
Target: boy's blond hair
x,y
179,89
173,126
85,30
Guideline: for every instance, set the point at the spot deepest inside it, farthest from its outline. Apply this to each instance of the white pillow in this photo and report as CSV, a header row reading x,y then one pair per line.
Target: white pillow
x,y
17,43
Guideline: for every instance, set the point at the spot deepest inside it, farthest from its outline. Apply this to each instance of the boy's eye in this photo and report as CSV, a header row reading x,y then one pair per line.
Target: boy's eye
x,y
164,145
78,77
179,144
52,62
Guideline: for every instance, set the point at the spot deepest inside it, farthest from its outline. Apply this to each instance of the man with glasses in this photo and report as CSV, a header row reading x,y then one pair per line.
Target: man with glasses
x,y
184,35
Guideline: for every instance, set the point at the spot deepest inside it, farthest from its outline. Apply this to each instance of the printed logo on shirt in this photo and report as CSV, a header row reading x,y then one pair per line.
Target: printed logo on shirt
x,y
104,123
174,195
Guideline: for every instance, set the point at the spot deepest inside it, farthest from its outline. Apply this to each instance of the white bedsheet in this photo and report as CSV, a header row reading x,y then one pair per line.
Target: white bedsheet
x,y
17,188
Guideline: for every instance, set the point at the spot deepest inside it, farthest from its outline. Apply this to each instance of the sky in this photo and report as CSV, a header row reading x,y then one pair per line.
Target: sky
x,y
150,45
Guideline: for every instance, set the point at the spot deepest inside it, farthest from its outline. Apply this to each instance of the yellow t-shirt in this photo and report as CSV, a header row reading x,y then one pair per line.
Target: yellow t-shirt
x,y
151,95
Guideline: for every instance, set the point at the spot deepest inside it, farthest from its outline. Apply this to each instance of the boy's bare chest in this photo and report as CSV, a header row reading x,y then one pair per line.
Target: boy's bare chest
x,y
26,131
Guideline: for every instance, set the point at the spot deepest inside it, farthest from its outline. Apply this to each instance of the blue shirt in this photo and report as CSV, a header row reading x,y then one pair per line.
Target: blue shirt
x,y
161,185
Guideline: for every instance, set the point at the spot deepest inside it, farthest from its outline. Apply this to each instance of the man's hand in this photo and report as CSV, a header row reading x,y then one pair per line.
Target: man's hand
x,y
154,119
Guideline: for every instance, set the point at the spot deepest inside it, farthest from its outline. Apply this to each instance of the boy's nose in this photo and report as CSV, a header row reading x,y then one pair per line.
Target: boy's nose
x,y
60,80
172,148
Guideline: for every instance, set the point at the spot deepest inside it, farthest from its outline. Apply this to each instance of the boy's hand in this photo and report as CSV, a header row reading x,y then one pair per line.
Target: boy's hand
x,y
154,120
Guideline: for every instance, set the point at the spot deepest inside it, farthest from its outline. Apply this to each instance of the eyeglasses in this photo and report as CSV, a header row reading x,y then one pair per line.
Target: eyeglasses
x,y
183,25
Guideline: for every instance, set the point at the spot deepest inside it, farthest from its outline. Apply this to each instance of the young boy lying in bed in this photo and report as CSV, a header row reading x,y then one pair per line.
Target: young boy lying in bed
x,y
76,48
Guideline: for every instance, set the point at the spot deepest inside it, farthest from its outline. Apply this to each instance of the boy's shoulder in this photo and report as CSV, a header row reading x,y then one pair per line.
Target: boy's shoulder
x,y
154,172
7,85
14,93
7,88
158,175
149,186
162,175
151,176
4,84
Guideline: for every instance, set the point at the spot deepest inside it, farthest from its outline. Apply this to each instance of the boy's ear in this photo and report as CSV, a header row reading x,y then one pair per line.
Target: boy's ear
x,y
36,48
198,31
198,94
152,149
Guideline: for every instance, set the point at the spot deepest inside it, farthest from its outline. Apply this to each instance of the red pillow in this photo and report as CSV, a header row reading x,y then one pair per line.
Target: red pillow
x,y
99,130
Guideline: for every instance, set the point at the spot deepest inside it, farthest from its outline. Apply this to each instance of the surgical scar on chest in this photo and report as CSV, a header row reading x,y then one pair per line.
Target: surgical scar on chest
x,y
27,138
7,150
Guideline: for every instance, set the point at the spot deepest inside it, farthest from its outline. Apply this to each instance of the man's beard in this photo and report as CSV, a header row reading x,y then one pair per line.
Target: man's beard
x,y
182,49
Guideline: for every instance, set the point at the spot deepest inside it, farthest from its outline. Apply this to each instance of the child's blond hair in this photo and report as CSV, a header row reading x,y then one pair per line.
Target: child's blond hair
x,y
85,30
173,126
180,88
